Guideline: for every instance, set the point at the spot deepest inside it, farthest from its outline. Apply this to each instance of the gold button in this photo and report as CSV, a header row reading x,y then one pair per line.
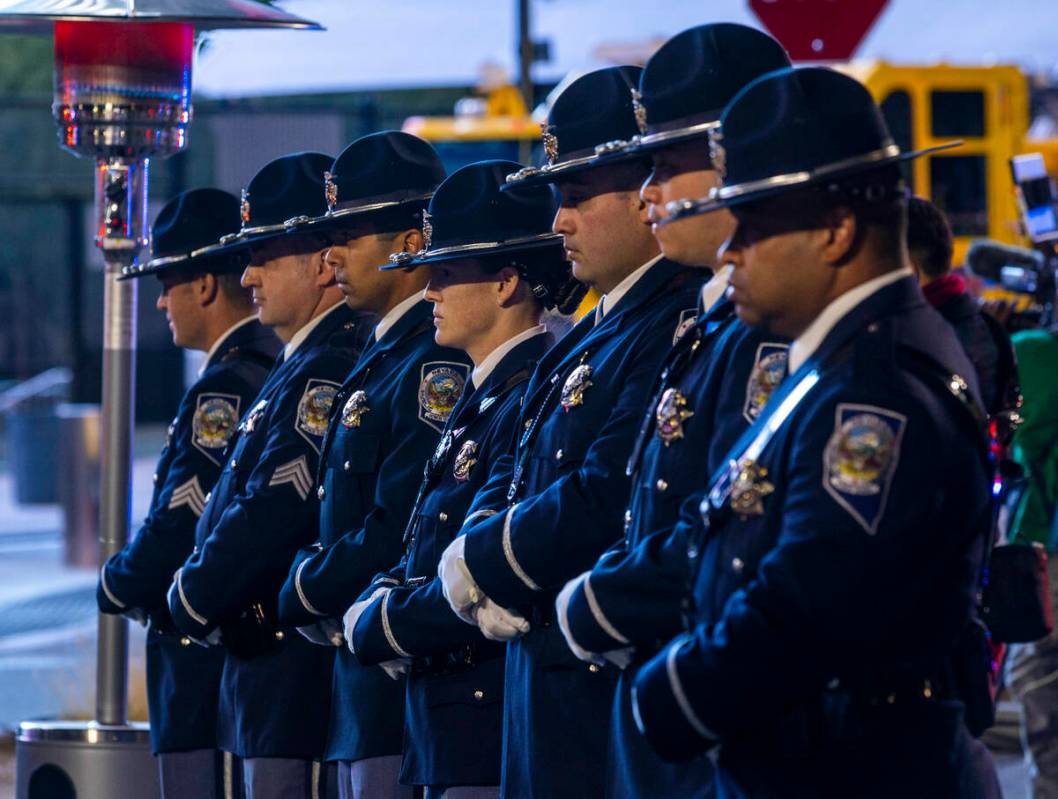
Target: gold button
x,y
594,668
185,641
347,466
442,516
479,695
320,493
558,455
661,485
737,565
279,635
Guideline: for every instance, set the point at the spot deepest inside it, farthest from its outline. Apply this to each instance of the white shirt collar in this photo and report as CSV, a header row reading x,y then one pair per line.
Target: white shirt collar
x,y
609,300
491,361
220,341
395,313
808,342
302,334
716,286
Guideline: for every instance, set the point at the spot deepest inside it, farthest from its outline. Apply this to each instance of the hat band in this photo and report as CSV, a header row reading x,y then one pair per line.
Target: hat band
x,y
289,224
349,210
400,258
662,136
155,263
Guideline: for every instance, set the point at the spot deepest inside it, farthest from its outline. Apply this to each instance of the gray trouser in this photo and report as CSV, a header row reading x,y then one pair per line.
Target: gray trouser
x,y
287,778
204,773
372,778
465,792
1032,673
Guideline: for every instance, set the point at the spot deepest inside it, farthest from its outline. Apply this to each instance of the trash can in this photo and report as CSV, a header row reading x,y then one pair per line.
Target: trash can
x,y
32,451
78,475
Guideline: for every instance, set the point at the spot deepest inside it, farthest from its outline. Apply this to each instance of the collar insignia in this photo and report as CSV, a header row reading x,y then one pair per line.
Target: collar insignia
x,y
640,111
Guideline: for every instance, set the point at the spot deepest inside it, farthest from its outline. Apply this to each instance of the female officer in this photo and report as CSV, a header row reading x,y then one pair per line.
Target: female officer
x,y
495,268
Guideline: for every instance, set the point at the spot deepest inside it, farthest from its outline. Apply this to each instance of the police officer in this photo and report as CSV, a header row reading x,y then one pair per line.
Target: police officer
x,y
556,508
495,267
209,311
388,416
713,383
275,689
841,546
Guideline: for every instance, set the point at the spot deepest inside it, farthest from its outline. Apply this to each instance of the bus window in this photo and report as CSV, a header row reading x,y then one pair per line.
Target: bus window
x,y
958,113
896,108
958,186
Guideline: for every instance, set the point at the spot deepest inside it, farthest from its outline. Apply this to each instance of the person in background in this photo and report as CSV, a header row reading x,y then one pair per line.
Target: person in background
x,y
208,311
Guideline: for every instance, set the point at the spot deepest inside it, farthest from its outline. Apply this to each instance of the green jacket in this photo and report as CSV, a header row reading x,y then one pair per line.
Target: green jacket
x,y
1036,441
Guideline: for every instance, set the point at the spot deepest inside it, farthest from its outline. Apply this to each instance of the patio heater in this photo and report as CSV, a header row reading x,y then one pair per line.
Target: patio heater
x,y
122,97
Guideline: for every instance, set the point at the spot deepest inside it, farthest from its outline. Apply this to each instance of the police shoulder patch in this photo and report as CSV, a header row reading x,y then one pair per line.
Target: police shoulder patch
x,y
688,316
860,460
769,368
314,410
441,385
214,423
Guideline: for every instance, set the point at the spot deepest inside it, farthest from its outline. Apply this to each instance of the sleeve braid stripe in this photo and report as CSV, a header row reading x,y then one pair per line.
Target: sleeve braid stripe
x,y
301,591
676,685
508,551
106,588
599,616
389,630
183,600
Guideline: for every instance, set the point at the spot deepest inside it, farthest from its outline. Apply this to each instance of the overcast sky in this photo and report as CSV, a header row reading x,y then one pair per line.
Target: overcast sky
x,y
389,43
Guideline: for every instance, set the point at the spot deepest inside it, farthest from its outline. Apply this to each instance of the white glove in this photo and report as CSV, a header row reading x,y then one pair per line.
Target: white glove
x,y
457,583
325,632
397,668
561,608
137,615
352,616
499,624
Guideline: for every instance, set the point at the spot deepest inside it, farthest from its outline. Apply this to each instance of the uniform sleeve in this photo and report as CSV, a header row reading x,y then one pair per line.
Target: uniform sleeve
x,y
865,509
330,580
138,575
543,541
636,597
252,543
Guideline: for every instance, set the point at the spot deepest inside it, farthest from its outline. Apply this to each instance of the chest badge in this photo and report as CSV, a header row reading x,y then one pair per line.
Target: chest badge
x,y
749,488
576,384
670,415
253,417
465,460
354,409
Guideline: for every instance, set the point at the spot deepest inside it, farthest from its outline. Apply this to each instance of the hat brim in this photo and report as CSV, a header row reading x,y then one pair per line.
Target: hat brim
x,y
533,176
650,143
754,191
243,241
478,250
194,262
347,217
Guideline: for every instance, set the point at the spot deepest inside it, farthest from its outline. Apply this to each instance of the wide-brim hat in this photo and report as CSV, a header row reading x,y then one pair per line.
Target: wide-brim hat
x,y
587,127
470,217
794,129
186,227
281,200
378,175
689,81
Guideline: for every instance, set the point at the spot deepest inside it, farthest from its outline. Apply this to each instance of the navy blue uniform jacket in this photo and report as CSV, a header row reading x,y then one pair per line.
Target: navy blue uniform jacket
x,y
262,509
836,567
387,420
454,708
183,679
713,384
568,491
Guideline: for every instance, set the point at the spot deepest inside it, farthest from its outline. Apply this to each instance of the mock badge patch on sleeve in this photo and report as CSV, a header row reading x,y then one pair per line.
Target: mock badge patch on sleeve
x,y
440,388
769,368
860,460
686,322
314,411
215,421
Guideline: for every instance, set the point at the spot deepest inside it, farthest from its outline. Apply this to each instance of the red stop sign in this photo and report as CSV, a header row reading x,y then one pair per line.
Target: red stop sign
x,y
818,30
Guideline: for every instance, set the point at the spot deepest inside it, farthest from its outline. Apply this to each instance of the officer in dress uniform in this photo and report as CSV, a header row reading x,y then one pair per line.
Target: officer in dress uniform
x,y
840,547
388,416
554,502
495,267
275,689
713,383
207,310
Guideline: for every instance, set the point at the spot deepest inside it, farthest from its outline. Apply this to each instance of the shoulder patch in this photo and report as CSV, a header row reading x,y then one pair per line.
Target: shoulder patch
x,y
314,411
860,460
769,369
440,387
688,316
214,423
